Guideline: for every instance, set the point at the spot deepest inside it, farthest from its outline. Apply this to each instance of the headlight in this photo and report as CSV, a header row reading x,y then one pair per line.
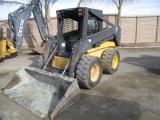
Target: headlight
x,y
63,44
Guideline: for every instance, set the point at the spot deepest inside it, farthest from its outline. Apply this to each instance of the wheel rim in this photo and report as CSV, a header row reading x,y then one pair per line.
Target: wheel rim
x,y
115,61
95,72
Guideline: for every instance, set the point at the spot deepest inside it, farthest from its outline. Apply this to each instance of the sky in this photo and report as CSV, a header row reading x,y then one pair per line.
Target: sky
x,y
141,8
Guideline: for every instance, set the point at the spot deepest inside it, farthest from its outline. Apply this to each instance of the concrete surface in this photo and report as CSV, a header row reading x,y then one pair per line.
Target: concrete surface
x,y
133,93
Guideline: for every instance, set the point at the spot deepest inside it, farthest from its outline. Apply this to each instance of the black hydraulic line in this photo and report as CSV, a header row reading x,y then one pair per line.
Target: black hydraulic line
x,y
50,57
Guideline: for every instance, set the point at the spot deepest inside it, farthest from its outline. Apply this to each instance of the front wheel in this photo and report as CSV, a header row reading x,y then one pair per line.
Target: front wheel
x,y
89,71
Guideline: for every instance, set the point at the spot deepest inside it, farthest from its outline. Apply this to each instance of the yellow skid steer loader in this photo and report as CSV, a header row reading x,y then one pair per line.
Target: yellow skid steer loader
x,y
79,54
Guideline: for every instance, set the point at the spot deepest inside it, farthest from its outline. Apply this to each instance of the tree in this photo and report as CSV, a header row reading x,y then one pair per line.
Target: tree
x,y
79,2
117,3
47,4
10,2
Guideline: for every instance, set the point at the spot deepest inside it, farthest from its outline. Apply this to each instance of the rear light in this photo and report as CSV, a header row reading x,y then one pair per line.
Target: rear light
x,y
80,12
58,15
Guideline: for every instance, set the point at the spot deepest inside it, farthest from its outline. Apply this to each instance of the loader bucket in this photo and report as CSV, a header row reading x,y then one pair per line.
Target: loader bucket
x,y
43,93
38,49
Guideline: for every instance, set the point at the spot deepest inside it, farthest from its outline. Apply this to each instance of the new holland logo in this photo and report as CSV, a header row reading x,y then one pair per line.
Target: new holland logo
x,y
21,28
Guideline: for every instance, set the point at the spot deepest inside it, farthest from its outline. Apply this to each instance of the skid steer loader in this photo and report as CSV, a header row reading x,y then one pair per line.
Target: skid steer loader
x,y
81,51
83,47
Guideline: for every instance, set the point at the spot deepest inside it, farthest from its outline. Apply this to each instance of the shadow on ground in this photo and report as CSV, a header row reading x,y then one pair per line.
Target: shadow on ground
x,y
9,57
91,107
34,61
150,63
19,54
33,53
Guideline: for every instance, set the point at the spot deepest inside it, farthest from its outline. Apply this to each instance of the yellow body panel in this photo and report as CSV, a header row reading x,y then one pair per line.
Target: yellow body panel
x,y
59,62
97,51
11,47
6,46
6,51
2,48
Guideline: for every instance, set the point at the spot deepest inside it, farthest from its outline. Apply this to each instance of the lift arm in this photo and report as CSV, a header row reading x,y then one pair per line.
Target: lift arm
x,y
17,21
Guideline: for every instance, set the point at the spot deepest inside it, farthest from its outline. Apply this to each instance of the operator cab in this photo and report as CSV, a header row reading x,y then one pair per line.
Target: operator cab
x,y
71,28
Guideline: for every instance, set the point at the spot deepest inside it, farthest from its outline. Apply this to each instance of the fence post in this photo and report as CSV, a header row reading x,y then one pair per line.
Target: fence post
x,y
107,17
115,19
30,42
157,29
136,29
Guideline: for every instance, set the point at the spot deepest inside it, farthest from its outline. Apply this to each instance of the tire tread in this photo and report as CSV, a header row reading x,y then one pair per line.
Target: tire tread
x,y
106,59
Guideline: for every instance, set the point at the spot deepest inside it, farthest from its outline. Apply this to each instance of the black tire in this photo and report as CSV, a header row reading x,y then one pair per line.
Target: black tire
x,y
83,71
40,63
107,58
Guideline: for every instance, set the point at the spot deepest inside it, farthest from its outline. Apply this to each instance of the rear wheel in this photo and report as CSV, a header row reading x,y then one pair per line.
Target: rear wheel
x,y
89,71
110,61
